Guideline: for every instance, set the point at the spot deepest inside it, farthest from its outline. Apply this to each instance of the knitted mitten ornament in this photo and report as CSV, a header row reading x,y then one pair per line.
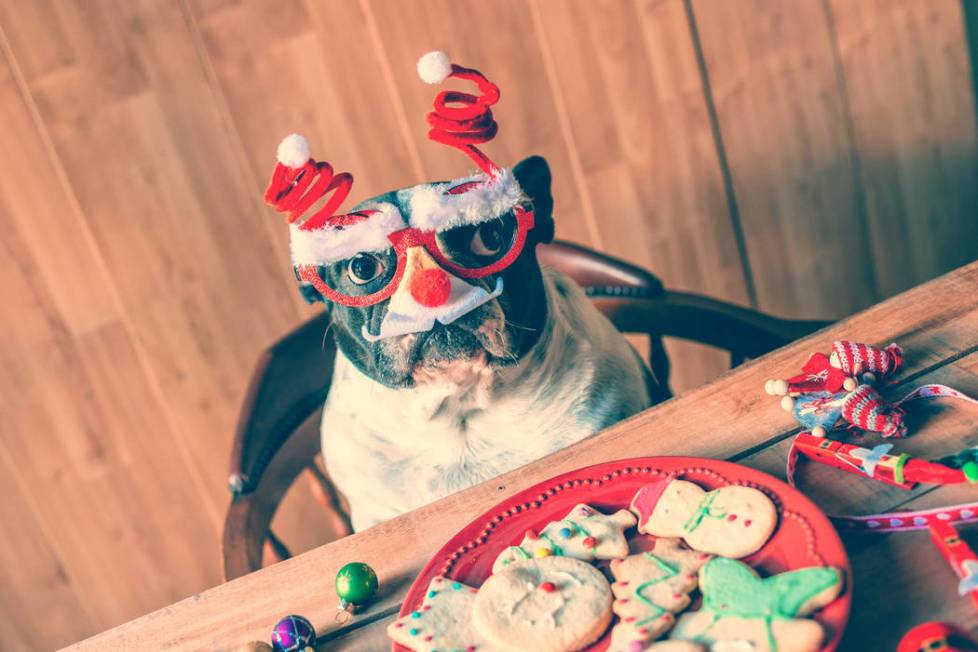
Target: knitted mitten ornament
x,y
866,409
867,362
844,368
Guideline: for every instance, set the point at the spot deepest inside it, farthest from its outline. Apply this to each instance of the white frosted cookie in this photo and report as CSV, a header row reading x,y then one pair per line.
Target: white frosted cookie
x,y
731,521
742,611
443,622
649,588
550,604
673,646
585,533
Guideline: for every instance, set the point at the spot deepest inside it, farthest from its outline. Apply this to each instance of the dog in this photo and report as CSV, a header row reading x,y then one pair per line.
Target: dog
x,y
459,358
414,417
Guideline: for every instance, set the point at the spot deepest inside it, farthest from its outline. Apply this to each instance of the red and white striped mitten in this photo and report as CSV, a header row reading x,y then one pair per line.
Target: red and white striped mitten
x,y
866,409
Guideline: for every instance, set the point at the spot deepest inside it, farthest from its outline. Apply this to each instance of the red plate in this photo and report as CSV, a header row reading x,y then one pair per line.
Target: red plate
x,y
804,536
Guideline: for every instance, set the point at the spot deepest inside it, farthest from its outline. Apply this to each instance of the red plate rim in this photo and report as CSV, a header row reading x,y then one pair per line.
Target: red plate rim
x,y
823,543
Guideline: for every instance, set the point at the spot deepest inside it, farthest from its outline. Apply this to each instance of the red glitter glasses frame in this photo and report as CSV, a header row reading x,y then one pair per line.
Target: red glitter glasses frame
x,y
404,239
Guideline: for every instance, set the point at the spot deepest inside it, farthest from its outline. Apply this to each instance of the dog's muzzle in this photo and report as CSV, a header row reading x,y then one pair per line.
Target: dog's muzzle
x,y
405,315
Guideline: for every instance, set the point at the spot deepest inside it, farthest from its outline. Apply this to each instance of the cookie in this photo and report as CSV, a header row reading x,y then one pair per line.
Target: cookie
x,y
731,521
549,604
584,533
672,646
735,634
443,622
650,587
766,613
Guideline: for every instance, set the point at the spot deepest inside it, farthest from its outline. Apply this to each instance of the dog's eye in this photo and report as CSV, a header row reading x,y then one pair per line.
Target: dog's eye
x,y
364,268
488,239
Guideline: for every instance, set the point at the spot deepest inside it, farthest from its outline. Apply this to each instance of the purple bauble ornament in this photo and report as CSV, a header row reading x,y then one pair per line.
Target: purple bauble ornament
x,y
292,634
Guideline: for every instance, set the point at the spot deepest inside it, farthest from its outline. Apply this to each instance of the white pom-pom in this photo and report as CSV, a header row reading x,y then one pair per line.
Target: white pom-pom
x,y
434,67
293,151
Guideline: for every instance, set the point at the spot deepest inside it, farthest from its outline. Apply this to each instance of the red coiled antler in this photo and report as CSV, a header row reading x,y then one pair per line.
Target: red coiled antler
x,y
298,182
466,125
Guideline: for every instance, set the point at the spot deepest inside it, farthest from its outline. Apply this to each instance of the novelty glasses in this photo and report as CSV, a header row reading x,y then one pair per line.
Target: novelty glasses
x,y
469,251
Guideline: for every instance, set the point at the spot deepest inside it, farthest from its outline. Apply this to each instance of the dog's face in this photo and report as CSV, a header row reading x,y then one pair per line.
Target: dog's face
x,y
436,321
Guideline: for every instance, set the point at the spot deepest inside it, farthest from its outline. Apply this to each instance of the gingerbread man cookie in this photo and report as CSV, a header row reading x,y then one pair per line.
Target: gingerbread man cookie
x,y
585,533
550,604
731,521
650,587
762,615
443,622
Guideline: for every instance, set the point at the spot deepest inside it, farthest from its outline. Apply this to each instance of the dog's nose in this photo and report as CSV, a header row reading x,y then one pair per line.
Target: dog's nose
x,y
430,287
429,284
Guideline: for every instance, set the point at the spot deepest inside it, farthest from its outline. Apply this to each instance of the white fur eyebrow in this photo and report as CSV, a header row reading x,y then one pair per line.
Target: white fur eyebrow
x,y
332,244
433,209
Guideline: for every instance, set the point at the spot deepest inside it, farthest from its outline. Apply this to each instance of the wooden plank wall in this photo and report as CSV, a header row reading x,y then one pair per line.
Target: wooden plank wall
x,y
806,158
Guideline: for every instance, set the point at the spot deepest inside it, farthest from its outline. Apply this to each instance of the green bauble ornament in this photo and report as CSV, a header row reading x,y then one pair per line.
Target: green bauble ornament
x,y
356,583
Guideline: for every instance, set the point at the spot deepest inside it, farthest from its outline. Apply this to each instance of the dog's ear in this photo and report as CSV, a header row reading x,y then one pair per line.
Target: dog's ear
x,y
533,175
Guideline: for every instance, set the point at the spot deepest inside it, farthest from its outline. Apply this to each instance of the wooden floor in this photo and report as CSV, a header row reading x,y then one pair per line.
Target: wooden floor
x,y
805,158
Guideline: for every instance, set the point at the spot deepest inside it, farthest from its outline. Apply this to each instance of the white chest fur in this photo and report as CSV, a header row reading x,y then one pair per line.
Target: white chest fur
x,y
391,450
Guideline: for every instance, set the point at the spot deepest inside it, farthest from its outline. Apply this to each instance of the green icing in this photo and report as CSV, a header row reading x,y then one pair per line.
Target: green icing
x,y
670,572
703,510
730,588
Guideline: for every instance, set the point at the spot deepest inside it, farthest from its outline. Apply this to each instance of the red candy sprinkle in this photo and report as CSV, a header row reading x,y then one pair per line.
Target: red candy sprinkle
x,y
630,619
732,517
548,587
532,534
747,523
428,637
590,542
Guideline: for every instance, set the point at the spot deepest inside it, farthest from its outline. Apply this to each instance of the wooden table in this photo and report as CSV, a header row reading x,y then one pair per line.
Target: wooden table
x,y
899,579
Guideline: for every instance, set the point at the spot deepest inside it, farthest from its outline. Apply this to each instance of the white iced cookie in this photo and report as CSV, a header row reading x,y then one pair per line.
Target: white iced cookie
x,y
730,521
584,533
550,604
649,588
675,646
443,622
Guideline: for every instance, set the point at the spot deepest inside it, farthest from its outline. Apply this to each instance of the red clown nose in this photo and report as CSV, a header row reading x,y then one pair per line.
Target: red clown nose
x,y
431,287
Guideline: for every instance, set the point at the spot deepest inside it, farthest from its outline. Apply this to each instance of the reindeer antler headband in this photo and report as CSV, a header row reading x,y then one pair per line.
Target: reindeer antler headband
x,y
321,236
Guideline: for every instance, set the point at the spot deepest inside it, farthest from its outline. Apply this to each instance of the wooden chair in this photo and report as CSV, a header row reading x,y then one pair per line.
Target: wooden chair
x,y
277,437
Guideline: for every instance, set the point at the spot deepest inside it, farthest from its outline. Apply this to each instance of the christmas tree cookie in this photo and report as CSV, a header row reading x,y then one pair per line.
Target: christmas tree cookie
x,y
584,533
731,521
650,587
765,613
443,622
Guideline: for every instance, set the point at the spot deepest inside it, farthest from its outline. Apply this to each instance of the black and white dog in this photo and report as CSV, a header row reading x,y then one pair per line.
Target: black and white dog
x,y
459,357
